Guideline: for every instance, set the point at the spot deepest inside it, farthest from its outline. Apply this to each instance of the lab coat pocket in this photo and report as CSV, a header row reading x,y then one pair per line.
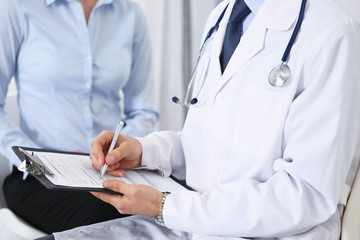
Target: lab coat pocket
x,y
260,121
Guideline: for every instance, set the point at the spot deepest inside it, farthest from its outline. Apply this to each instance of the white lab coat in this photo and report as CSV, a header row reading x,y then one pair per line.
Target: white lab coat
x,y
266,162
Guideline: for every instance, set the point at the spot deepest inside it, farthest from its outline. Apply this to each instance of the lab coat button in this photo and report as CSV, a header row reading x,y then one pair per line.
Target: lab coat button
x,y
216,171
89,59
88,85
86,108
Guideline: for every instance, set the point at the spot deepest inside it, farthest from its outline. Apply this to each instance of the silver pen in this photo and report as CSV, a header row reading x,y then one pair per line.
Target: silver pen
x,y
119,126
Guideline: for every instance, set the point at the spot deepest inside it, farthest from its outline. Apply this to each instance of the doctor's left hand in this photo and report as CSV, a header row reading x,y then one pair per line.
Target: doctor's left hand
x,y
136,199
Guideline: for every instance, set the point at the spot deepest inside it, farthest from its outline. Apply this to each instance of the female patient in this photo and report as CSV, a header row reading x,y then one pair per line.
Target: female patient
x,y
70,59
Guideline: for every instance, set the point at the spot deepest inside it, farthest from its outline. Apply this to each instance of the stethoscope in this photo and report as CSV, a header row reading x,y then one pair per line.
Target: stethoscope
x,y
277,77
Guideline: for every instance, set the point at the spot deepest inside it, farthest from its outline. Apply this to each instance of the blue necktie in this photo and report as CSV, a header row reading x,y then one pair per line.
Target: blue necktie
x,y
234,31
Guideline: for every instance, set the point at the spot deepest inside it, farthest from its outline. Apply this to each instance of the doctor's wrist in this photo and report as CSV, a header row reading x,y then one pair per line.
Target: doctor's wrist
x,y
159,219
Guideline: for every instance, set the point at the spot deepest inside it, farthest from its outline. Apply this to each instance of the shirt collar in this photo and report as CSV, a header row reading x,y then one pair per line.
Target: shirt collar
x,y
254,5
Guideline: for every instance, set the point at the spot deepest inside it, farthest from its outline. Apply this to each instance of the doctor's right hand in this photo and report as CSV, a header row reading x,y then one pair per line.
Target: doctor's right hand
x,y
126,154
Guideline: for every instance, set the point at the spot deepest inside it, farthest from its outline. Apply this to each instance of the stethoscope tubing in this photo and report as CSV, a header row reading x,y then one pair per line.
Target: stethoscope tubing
x,y
215,27
284,58
295,32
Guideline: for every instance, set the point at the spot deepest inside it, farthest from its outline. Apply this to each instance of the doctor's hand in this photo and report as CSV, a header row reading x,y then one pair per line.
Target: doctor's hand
x,y
136,199
126,154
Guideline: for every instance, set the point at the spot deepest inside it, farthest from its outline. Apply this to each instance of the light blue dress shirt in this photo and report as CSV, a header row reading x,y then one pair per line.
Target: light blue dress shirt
x,y
254,6
69,74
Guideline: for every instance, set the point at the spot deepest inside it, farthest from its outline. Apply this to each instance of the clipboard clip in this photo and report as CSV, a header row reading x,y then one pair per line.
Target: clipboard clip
x,y
32,164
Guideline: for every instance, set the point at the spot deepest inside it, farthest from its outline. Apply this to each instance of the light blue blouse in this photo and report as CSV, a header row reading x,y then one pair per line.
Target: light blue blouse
x,y
69,74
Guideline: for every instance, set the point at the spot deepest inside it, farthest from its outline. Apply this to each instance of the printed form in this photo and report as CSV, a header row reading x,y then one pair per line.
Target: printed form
x,y
75,170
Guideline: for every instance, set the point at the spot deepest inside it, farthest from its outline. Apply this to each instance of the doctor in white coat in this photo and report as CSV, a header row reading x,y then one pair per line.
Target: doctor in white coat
x,y
273,162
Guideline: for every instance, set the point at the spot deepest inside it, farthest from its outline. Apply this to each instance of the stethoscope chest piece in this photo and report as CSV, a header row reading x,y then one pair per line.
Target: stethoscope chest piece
x,y
279,75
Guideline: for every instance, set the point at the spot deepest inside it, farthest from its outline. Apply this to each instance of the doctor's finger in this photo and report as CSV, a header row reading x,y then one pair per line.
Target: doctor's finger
x,y
115,200
117,186
113,185
115,171
127,154
99,147
97,160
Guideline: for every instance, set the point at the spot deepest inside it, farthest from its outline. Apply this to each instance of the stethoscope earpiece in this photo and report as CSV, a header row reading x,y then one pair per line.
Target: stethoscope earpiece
x,y
209,37
194,101
176,100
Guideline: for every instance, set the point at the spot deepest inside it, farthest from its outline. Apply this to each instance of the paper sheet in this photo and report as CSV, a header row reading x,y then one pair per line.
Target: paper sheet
x,y
75,170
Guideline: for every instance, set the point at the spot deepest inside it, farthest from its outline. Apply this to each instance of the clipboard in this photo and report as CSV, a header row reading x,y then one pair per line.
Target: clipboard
x,y
39,170
33,165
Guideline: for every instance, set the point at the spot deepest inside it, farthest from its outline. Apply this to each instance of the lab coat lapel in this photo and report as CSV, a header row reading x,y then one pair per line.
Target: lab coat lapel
x,y
270,16
215,66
